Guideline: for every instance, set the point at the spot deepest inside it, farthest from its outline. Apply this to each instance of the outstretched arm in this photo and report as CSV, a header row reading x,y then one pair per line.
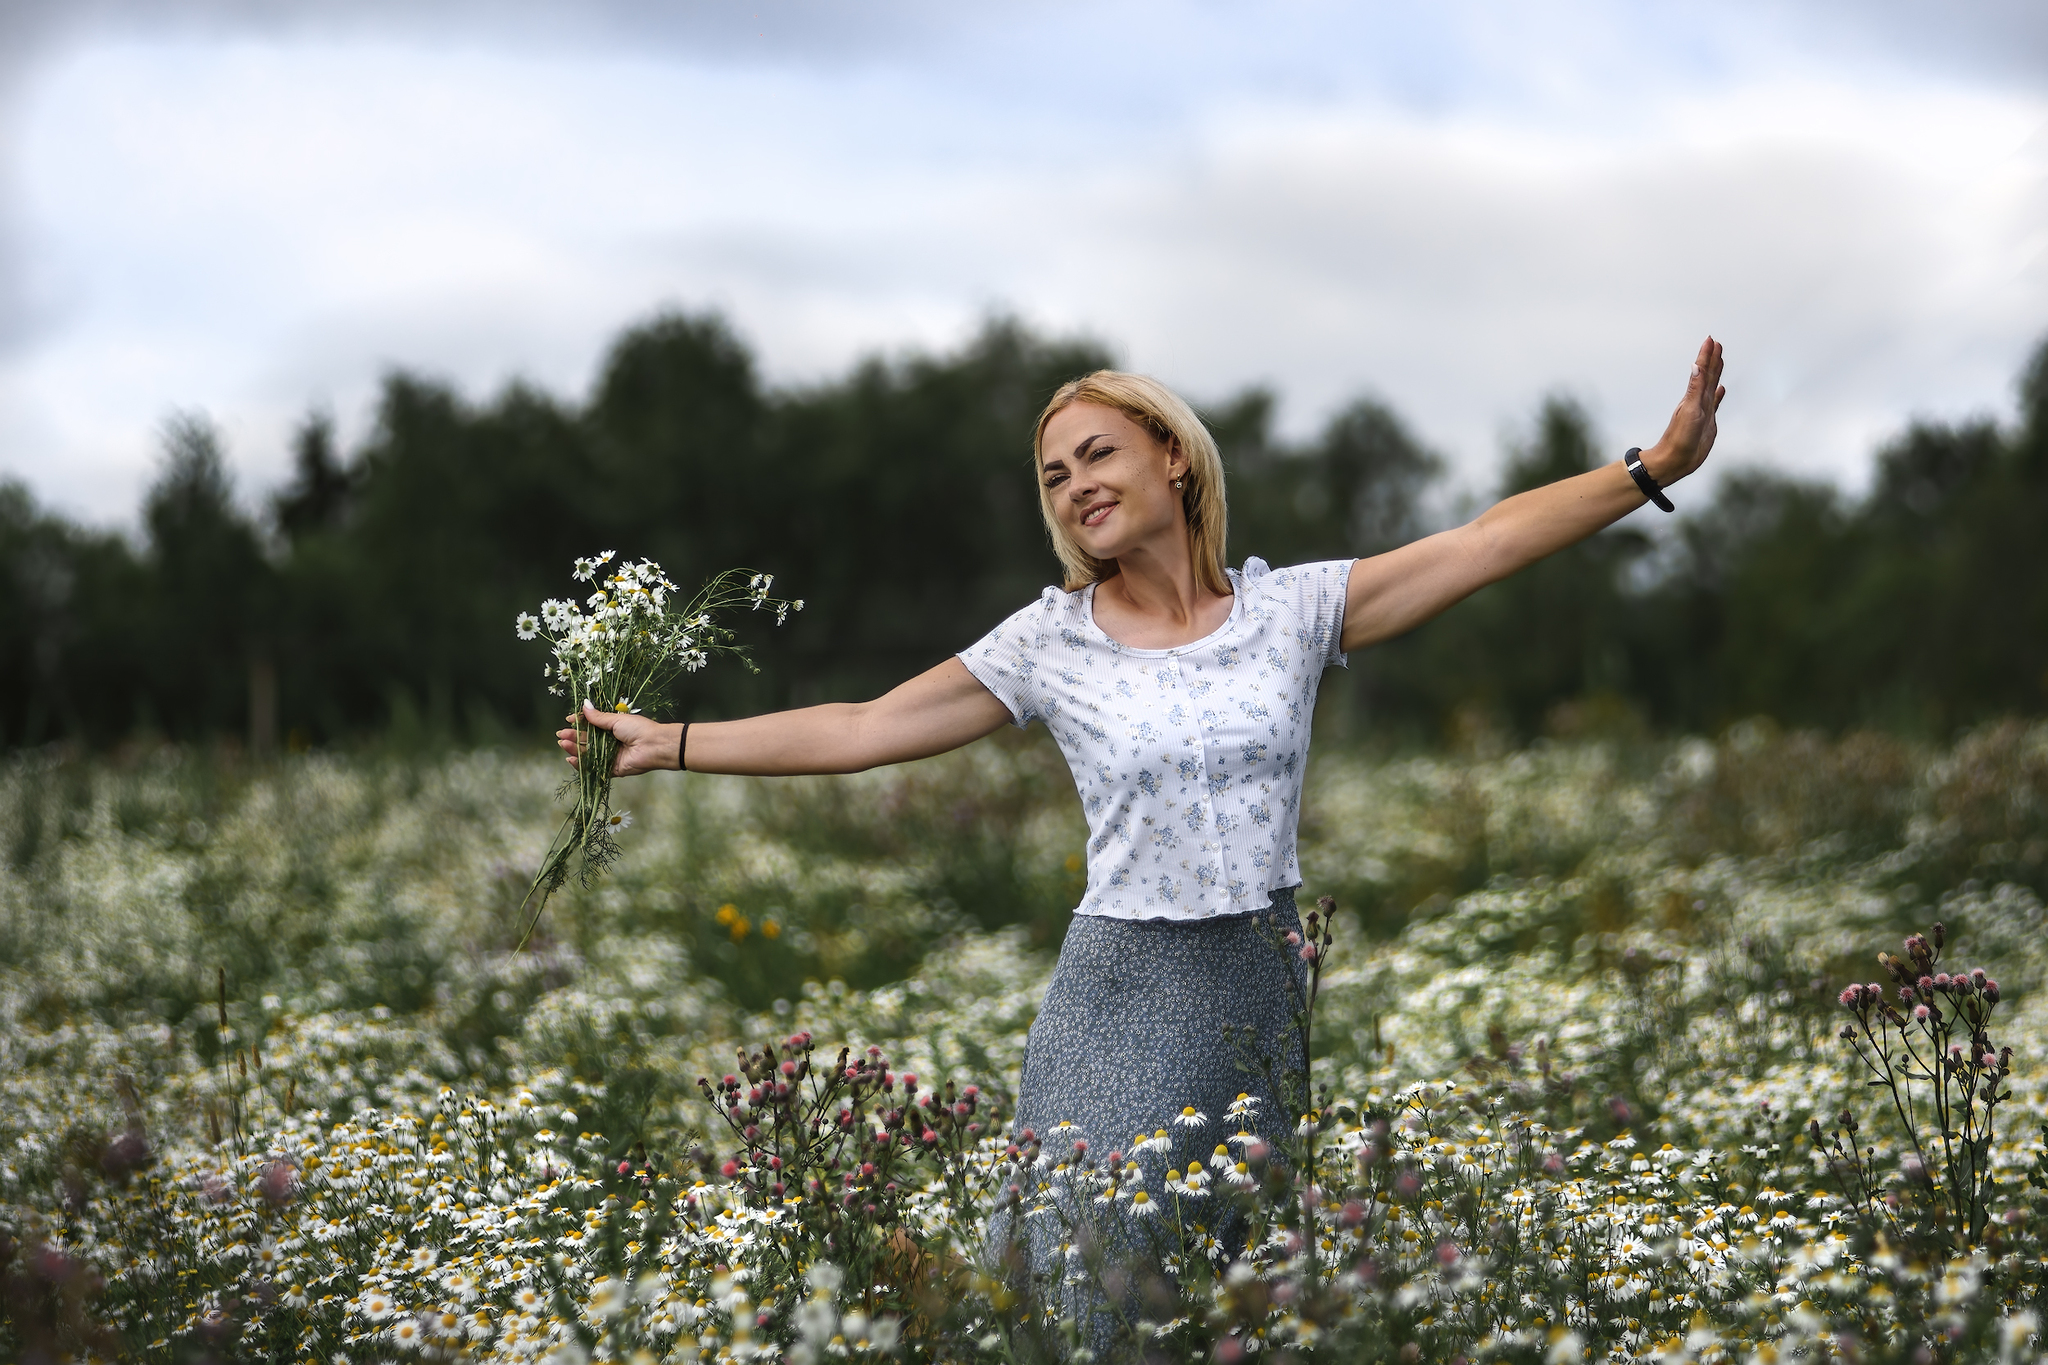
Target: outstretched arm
x,y
1391,594
938,710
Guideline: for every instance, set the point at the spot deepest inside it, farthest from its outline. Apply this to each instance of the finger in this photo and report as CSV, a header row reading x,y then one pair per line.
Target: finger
x,y
603,720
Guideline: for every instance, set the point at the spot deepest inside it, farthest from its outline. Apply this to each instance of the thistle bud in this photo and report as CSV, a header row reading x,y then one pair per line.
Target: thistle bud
x,y
1940,932
1991,992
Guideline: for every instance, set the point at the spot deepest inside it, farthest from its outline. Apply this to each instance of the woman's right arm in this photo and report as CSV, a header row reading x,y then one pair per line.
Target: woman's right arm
x,y
938,710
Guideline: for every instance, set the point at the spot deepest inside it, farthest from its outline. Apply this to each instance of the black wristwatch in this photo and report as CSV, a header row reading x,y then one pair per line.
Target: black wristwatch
x,y
1636,471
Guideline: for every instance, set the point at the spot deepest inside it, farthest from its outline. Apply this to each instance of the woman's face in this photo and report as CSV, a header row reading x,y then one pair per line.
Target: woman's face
x,y
1110,480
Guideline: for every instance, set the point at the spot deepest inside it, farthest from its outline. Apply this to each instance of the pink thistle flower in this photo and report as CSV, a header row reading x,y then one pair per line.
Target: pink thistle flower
x,y
1922,1013
1941,980
625,1167
729,1169
1851,997
1991,991
1293,939
1308,952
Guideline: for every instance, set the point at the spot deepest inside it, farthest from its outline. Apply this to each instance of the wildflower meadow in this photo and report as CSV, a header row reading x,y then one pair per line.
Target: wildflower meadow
x,y
1703,1050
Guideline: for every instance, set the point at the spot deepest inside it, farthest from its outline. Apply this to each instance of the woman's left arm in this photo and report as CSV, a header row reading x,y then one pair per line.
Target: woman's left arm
x,y
1393,593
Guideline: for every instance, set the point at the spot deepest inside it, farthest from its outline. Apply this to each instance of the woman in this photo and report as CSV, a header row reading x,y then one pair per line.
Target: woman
x,y
1180,692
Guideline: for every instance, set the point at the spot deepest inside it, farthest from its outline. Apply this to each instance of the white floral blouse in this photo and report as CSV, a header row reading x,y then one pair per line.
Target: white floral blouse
x,y
1189,760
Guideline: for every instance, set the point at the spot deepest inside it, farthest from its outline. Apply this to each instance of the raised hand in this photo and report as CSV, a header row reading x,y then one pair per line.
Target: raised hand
x,y
1690,434
645,745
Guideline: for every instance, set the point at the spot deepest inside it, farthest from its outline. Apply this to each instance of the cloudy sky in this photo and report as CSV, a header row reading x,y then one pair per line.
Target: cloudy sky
x,y
254,208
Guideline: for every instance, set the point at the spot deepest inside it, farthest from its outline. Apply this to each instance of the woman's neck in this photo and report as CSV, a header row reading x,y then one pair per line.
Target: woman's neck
x,y
1155,602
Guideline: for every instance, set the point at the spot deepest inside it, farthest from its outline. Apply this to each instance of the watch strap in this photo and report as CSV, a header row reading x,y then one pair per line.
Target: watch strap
x,y
1641,474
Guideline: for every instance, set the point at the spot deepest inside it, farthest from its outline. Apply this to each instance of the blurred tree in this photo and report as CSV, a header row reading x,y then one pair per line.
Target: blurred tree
x,y
898,501
67,653
211,601
1559,631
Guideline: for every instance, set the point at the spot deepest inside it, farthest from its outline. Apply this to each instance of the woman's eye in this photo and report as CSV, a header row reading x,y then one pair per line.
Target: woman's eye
x,y
1101,451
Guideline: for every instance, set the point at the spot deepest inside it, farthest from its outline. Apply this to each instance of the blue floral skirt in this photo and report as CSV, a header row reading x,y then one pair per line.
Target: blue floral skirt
x,y
1143,1020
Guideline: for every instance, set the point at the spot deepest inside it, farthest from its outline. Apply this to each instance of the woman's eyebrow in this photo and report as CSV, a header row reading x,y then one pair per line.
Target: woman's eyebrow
x,y
1059,462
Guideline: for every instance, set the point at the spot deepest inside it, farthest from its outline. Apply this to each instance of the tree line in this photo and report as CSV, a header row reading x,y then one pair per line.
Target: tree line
x,y
375,592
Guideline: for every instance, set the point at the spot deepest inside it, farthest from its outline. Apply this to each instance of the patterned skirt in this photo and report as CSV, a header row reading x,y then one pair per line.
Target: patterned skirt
x,y
1143,1020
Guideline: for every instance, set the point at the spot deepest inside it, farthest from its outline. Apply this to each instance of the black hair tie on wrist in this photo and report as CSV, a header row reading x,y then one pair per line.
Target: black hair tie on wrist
x,y
1636,471
683,749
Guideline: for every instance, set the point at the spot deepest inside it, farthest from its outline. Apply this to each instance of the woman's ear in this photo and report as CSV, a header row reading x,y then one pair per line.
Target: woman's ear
x,y
1176,460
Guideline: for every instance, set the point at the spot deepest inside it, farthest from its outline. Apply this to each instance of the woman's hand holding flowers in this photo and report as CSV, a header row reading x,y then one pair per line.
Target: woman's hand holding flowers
x,y
645,745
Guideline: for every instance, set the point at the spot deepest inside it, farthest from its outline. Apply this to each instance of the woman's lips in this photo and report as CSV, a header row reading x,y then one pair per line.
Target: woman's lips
x,y
1094,515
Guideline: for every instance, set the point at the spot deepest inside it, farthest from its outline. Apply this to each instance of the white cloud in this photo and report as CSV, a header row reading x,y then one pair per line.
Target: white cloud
x,y
250,227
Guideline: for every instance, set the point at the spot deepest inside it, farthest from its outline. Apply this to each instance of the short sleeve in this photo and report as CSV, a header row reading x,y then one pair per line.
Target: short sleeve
x,y
1315,594
1005,660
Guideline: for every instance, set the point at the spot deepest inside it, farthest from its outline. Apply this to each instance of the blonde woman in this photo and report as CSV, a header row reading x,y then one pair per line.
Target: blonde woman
x,y
1180,691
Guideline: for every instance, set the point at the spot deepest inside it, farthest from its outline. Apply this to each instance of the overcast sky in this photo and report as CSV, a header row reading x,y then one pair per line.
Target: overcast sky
x,y
251,209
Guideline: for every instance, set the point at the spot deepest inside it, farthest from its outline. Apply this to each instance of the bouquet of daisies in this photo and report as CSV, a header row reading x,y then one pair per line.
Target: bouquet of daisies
x,y
618,649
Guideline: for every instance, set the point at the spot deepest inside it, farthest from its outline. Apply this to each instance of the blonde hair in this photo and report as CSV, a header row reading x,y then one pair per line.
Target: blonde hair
x,y
1166,415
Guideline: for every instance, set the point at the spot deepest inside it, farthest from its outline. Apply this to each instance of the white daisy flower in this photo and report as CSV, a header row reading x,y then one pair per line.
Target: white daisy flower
x,y
1220,1158
1241,1176
583,571
1143,1204
527,624
1190,1117
619,821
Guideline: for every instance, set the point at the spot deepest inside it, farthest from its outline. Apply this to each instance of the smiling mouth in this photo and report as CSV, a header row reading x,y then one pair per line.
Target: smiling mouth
x,y
1094,515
